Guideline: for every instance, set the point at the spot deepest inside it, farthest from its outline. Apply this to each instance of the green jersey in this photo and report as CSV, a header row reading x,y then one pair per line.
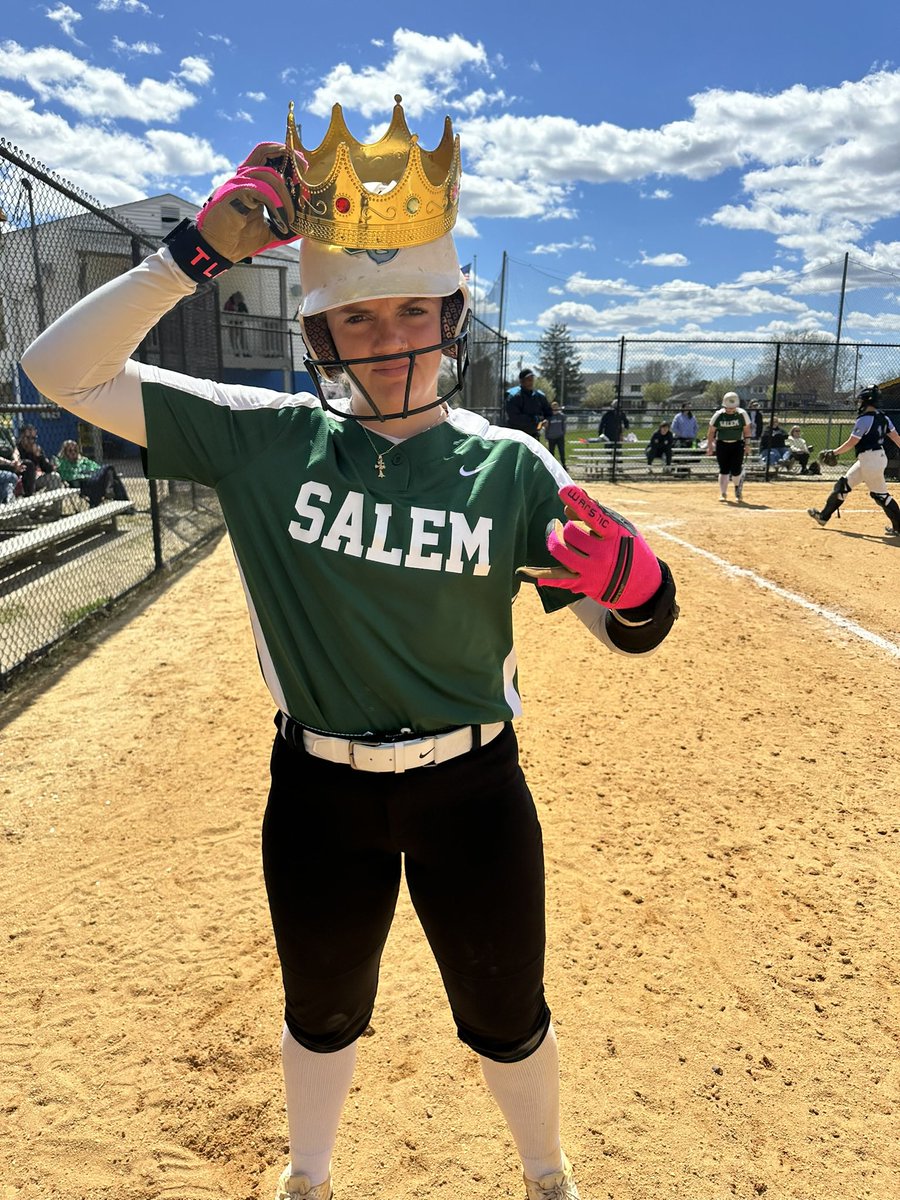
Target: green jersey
x,y
729,424
377,604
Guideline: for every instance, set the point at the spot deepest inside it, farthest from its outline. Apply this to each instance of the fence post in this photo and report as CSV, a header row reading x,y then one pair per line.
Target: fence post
x,y
774,400
155,523
619,379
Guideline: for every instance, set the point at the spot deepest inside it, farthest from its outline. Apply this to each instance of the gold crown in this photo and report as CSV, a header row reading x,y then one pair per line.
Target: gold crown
x,y
334,205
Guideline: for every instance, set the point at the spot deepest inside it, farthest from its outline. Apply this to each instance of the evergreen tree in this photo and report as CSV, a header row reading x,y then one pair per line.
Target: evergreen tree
x,y
561,366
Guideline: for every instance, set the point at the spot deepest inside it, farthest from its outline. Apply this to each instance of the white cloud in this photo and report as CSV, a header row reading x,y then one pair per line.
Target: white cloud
x,y
557,248
256,97
660,194
132,48
422,69
677,304
66,18
122,5
239,114
476,101
481,197
820,164
663,260
195,69
93,92
114,167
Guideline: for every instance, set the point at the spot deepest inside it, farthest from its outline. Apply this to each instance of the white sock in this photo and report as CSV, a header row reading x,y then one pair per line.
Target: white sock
x,y
527,1093
315,1087
723,484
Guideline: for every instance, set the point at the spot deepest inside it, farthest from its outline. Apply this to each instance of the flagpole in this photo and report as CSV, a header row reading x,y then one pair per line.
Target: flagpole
x,y
474,281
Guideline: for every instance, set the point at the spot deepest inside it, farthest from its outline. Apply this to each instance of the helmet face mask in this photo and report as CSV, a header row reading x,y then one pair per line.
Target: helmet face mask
x,y
331,277
322,371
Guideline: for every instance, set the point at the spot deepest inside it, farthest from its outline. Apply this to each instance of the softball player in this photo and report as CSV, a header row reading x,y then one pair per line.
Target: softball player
x,y
866,440
727,437
378,539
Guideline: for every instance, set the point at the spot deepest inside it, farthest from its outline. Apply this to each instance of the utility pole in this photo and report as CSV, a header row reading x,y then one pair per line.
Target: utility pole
x,y
840,321
501,319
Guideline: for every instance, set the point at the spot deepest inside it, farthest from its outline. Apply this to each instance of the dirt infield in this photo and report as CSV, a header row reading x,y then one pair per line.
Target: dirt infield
x,y
722,838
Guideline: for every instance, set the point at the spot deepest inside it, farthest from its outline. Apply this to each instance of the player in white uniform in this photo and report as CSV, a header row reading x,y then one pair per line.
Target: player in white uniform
x,y
866,440
380,541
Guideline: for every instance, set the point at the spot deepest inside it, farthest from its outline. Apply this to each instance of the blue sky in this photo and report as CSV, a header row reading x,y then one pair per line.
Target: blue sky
x,y
650,169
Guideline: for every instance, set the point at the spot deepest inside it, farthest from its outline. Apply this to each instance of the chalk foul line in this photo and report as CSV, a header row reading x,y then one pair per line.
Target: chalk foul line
x,y
826,614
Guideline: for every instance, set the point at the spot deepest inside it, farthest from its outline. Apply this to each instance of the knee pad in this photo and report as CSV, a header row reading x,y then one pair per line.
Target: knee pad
x,y
882,499
842,487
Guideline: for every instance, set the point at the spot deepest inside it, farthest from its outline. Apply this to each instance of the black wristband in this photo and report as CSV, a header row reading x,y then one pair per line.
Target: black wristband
x,y
648,623
193,254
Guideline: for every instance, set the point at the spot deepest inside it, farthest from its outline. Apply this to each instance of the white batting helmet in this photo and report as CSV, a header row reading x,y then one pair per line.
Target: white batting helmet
x,y
731,400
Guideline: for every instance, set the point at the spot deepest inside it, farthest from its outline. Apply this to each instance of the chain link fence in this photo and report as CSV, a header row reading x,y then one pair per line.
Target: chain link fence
x,y
68,551
809,384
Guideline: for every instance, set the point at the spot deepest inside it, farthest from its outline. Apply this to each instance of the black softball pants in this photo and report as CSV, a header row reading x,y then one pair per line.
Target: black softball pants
x,y
730,457
467,834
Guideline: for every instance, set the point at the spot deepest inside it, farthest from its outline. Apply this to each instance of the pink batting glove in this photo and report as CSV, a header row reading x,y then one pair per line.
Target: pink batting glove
x,y
255,208
601,554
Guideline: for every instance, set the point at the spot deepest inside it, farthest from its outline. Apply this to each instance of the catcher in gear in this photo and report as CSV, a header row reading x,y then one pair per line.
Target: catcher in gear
x,y
866,440
379,552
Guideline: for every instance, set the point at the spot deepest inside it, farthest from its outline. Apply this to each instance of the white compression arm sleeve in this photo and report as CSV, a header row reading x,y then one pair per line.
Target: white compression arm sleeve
x,y
82,360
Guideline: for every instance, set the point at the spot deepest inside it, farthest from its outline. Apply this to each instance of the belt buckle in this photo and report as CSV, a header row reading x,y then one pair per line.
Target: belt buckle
x,y
378,752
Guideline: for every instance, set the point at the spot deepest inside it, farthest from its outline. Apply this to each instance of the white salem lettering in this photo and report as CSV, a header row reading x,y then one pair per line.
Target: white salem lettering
x,y
422,539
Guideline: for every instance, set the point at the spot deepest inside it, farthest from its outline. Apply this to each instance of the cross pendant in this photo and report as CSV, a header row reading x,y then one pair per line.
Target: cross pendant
x,y
379,466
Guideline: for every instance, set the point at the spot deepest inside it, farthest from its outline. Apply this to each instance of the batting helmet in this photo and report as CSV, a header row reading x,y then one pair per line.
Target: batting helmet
x,y
868,396
731,400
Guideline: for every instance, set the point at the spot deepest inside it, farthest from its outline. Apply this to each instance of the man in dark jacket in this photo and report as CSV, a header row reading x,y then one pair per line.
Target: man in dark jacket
x,y
613,423
527,407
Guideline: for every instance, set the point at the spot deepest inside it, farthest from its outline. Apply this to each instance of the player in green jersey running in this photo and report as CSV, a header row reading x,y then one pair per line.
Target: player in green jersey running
x,y
380,540
727,438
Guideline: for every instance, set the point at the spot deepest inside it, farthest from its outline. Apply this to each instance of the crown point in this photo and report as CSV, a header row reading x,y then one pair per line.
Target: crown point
x,y
398,99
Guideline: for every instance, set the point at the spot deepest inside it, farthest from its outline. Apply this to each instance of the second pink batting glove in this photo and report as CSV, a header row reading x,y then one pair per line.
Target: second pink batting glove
x,y
601,554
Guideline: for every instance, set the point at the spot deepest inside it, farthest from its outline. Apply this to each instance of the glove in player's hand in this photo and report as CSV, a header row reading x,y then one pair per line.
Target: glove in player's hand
x,y
254,209
601,555
828,458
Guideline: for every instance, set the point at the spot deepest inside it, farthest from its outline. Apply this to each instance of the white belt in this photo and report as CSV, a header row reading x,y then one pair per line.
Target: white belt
x,y
398,756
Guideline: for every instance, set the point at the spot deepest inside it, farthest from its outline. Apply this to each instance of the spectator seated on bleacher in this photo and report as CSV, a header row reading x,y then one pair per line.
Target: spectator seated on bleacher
x,y
660,445
95,482
39,471
773,447
10,473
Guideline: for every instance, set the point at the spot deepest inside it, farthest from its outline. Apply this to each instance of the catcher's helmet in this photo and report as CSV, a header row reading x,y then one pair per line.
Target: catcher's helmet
x,y
731,400
868,396
331,276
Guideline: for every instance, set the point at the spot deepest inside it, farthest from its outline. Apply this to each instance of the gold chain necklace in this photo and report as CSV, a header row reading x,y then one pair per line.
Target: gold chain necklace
x,y
379,461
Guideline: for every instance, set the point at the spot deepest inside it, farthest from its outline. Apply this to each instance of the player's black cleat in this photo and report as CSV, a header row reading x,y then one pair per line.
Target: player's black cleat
x,y
817,516
891,531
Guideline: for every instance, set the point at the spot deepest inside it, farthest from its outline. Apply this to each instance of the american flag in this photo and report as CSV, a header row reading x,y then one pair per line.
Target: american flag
x,y
466,270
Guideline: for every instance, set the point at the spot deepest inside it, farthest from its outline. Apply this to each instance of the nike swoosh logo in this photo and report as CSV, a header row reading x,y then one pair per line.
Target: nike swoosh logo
x,y
427,753
474,471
